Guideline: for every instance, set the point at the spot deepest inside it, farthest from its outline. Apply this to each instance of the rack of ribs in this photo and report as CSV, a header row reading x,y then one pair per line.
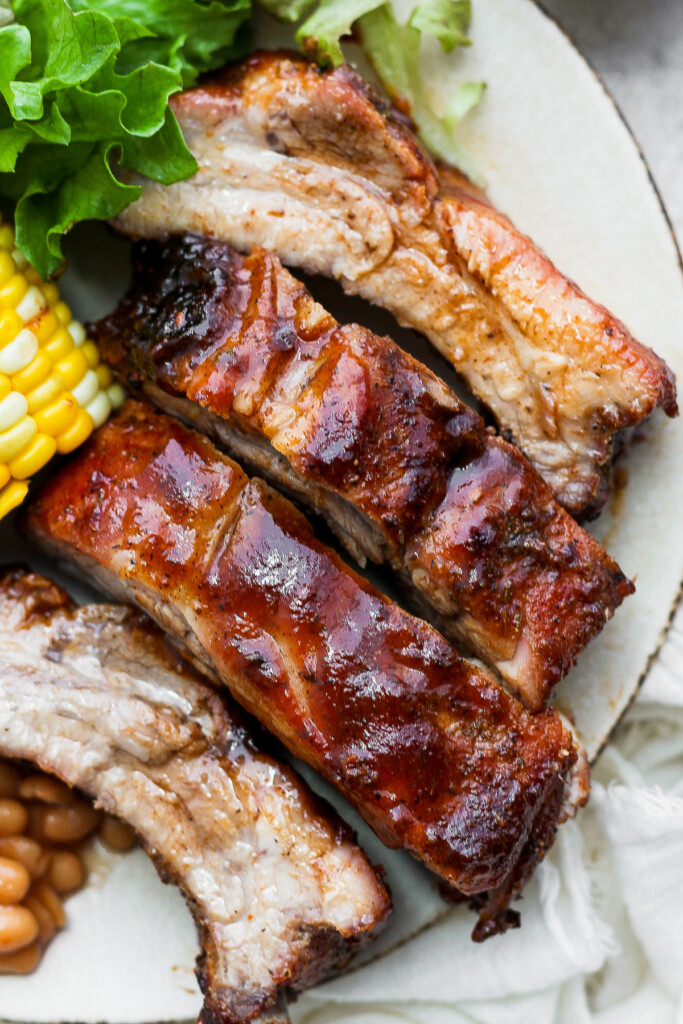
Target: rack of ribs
x,y
313,166
438,758
352,426
280,894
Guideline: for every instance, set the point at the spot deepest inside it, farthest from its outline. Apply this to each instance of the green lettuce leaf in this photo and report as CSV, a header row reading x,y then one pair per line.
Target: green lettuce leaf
x,y
84,88
287,10
447,20
6,13
320,34
188,36
393,50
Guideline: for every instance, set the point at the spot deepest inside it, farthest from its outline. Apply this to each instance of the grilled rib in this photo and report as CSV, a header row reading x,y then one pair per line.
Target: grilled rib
x,y
345,421
309,164
437,757
279,892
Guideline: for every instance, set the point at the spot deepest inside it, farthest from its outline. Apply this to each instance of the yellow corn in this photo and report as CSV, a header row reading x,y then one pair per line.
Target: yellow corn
x,y
54,389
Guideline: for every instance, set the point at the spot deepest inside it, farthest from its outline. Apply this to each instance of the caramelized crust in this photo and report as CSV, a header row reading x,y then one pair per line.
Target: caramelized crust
x,y
311,165
437,757
402,471
280,893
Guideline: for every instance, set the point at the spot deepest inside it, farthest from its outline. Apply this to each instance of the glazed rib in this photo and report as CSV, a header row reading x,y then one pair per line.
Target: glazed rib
x,y
310,165
345,421
437,757
279,892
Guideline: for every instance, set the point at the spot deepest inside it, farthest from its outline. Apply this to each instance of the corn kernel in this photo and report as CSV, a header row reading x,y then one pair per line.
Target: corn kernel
x,y
72,368
34,457
86,389
58,416
32,304
19,353
116,395
7,237
80,429
20,260
4,475
10,325
44,326
77,332
44,394
99,408
7,268
14,440
51,293
91,353
12,409
33,277
37,371
104,375
13,292
59,345
11,496
63,314
5,386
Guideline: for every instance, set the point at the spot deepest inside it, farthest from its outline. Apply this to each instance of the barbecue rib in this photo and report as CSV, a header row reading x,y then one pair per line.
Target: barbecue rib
x,y
309,164
403,472
438,758
279,892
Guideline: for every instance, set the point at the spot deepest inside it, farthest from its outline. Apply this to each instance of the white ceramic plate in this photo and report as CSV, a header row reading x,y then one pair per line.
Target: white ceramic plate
x,y
558,158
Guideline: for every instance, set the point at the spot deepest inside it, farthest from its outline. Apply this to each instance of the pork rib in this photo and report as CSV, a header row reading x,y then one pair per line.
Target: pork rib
x,y
437,757
403,472
309,164
279,892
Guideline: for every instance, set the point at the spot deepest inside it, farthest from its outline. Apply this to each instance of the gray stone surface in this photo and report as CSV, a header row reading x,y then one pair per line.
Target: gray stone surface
x,y
637,48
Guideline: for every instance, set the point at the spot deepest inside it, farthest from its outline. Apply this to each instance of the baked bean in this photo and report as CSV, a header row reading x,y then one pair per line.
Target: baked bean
x,y
66,824
47,925
9,779
18,928
117,834
37,813
65,872
49,898
13,817
29,852
14,881
23,961
46,789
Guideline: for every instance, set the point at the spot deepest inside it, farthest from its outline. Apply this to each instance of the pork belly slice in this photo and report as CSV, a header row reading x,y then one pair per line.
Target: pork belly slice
x,y
436,756
311,165
345,421
279,892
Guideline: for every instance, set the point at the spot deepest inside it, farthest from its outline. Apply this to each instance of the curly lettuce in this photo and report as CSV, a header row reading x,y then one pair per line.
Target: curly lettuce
x,y
84,87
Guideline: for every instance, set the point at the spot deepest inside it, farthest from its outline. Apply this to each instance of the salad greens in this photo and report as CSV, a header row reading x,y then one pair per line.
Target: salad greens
x,y
393,51
85,84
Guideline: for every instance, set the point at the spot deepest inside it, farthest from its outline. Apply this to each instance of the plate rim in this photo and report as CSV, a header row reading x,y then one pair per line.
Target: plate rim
x,y
678,599
678,250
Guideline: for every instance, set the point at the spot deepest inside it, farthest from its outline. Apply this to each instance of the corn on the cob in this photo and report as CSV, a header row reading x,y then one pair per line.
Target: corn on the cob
x,y
54,390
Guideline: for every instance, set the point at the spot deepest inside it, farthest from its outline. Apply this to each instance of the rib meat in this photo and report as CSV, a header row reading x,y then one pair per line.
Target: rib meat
x,y
403,472
279,892
437,757
310,164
